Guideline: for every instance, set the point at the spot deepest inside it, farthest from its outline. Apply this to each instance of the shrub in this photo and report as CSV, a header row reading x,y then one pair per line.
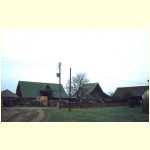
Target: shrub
x,y
131,102
145,102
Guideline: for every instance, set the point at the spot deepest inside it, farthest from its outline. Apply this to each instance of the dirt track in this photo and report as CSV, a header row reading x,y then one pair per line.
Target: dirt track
x,y
23,114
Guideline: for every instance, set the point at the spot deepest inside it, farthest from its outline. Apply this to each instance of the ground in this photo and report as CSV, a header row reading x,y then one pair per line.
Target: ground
x,y
101,114
23,114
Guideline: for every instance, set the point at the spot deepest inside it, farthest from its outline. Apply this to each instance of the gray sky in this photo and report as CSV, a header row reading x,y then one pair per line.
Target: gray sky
x,y
113,57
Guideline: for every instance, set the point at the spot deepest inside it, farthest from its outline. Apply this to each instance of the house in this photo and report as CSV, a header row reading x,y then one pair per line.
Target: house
x,y
32,90
92,91
8,98
126,93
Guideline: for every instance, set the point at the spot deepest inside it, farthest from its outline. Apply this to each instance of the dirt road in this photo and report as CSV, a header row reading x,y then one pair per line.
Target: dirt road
x,y
23,114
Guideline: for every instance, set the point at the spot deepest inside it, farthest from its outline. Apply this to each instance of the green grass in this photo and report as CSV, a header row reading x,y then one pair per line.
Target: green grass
x,y
104,114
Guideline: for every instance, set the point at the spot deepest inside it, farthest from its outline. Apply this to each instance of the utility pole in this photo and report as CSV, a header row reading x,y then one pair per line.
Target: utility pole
x,y
70,92
59,66
59,76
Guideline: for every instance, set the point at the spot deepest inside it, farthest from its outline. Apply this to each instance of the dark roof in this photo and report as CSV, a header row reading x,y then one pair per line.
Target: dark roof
x,y
131,91
32,89
8,93
86,89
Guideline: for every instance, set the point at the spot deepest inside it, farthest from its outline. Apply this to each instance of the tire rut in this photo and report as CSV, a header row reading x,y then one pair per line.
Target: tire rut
x,y
24,115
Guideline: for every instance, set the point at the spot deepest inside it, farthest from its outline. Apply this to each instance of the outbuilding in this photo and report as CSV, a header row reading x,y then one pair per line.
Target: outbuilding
x,y
135,93
93,92
8,98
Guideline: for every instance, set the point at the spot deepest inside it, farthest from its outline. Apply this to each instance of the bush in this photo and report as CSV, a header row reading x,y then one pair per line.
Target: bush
x,y
145,102
131,103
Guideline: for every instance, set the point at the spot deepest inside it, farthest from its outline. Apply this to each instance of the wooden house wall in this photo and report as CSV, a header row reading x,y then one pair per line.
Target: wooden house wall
x,y
9,101
97,94
18,91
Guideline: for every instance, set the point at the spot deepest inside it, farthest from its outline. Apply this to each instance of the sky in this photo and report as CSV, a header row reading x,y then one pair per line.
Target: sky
x,y
113,57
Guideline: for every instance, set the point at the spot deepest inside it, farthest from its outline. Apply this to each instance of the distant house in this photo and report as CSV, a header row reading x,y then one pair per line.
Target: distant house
x,y
32,90
125,93
91,91
8,98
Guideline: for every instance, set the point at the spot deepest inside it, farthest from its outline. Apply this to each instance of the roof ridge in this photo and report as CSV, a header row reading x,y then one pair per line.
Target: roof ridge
x,y
39,82
91,83
7,90
91,88
131,86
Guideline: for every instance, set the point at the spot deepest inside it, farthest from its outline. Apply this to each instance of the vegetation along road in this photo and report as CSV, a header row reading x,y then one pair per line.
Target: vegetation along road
x,y
47,114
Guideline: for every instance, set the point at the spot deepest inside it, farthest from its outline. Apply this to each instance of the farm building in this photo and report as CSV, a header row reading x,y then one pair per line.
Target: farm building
x,y
126,93
8,98
92,91
32,90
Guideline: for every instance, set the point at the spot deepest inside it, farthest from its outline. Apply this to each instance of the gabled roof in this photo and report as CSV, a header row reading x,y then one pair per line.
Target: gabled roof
x,y
8,93
32,89
132,91
87,89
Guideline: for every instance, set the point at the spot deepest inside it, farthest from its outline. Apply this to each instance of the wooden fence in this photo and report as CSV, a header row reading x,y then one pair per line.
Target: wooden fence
x,y
66,103
85,104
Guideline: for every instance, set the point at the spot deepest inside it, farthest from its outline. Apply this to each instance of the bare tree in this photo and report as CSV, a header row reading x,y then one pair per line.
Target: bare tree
x,y
77,82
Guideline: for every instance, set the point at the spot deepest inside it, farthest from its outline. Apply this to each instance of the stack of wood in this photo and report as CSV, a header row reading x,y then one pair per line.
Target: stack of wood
x,y
43,100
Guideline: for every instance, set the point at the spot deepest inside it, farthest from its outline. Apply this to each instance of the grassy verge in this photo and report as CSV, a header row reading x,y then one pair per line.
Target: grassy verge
x,y
105,114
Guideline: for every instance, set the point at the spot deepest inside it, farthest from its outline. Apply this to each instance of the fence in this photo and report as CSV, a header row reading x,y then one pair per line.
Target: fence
x,y
84,104
29,102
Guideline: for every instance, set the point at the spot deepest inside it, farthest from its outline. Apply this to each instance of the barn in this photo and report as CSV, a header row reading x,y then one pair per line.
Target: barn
x,y
32,90
8,98
92,91
133,93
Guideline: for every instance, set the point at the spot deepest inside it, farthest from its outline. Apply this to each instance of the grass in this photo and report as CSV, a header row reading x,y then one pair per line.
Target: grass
x,y
103,114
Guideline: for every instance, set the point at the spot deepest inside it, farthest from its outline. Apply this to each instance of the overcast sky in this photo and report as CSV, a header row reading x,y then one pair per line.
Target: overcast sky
x,y
113,57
